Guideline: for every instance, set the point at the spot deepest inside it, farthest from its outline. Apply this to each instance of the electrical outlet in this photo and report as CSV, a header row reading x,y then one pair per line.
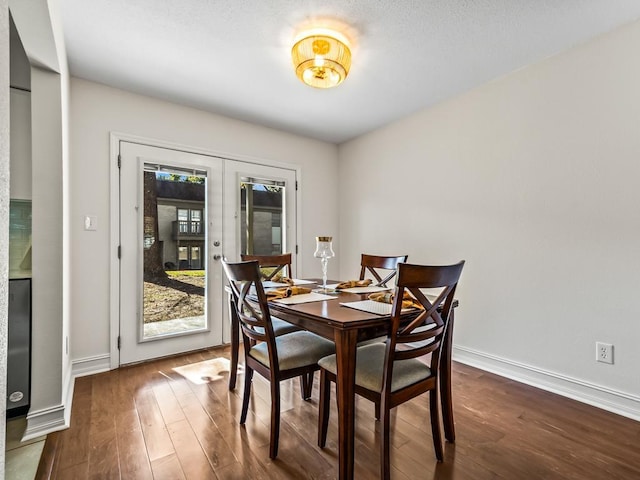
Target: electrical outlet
x,y
604,352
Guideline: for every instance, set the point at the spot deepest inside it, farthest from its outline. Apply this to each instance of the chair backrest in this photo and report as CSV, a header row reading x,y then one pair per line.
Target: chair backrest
x,y
372,263
271,265
424,333
250,302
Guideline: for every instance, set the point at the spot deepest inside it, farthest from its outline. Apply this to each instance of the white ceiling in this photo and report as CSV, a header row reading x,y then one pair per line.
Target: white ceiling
x,y
232,57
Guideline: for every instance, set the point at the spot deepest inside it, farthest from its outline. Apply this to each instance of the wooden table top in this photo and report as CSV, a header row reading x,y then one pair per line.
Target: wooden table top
x,y
326,316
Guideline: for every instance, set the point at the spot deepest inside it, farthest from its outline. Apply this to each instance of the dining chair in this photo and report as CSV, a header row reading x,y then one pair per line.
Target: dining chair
x,y
280,327
376,266
271,265
393,372
279,358
372,264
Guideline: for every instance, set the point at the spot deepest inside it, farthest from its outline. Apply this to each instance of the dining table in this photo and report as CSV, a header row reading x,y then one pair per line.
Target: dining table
x,y
347,326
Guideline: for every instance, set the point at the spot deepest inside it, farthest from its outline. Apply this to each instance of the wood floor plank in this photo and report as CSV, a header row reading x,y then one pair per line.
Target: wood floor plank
x,y
212,441
103,446
168,404
193,459
78,471
134,462
167,468
74,442
46,467
155,433
300,460
235,471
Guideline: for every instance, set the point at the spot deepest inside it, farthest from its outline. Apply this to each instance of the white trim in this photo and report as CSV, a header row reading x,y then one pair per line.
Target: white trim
x,y
69,401
114,241
91,365
615,401
152,142
47,421
299,256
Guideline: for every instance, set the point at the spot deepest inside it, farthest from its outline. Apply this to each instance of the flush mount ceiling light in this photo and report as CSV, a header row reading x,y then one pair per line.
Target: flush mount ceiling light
x,y
322,58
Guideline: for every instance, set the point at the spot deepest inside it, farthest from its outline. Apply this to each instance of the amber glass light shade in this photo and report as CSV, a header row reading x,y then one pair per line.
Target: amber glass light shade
x,y
321,61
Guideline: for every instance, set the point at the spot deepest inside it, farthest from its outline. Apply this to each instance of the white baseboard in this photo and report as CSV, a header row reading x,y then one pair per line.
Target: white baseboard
x,y
91,365
45,421
49,420
605,398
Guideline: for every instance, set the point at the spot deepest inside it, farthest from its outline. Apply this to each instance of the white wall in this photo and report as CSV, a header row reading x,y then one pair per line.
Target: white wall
x,y
96,111
47,238
4,214
534,180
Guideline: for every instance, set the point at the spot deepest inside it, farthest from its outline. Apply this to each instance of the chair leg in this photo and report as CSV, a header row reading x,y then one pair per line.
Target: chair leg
x,y
385,467
311,375
436,431
248,376
233,367
275,418
323,408
376,410
306,385
235,345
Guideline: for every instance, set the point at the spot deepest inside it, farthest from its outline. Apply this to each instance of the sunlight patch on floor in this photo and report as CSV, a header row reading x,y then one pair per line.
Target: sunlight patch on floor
x,y
204,372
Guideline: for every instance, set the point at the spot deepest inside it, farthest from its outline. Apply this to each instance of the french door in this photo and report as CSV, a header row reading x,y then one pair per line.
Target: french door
x,y
260,213
179,214
260,210
171,294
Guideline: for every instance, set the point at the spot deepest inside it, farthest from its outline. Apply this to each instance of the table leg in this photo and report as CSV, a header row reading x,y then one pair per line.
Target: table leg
x,y
445,383
235,343
345,389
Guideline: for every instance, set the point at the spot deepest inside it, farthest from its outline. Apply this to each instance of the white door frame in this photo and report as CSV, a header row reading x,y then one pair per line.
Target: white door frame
x,y
114,220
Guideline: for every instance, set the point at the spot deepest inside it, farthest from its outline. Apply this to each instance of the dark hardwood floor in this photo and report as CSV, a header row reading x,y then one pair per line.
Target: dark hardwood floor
x,y
175,419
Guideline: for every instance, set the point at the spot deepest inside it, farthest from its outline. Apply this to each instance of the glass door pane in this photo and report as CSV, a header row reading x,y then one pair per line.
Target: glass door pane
x,y
175,290
262,206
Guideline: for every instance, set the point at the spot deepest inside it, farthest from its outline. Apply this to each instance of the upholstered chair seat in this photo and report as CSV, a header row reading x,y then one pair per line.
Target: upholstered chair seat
x,y
297,349
370,369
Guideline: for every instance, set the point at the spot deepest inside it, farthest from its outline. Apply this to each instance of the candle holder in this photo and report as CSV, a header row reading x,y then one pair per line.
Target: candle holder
x,y
324,252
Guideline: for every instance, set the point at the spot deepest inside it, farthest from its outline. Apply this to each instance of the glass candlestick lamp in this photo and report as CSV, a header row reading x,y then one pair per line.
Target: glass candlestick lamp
x,y
324,252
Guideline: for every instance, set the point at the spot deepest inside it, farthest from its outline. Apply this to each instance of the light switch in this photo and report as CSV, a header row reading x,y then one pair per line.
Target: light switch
x,y
90,222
